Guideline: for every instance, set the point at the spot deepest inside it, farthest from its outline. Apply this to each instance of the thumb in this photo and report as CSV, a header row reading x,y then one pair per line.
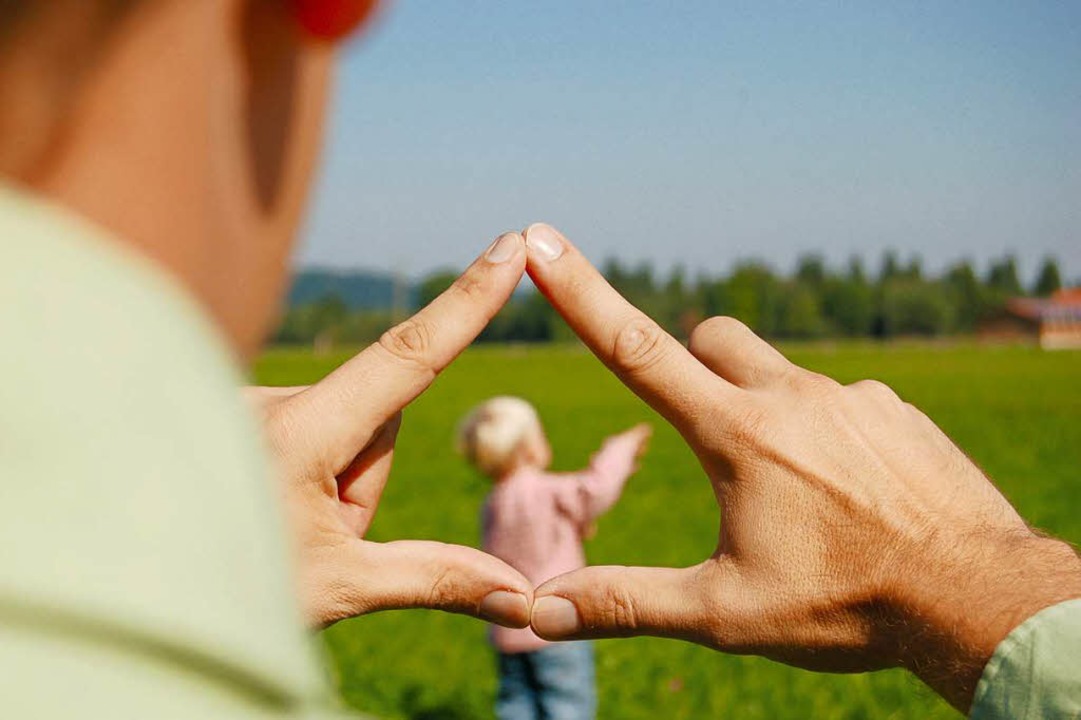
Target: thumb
x,y
613,601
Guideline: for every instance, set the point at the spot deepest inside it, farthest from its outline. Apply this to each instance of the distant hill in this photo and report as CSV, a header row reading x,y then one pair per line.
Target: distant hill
x,y
358,289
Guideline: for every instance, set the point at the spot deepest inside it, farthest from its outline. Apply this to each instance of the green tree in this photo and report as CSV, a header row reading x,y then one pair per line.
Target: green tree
x,y
681,305
912,307
855,272
328,318
751,294
914,269
848,303
891,268
1002,277
811,271
293,327
365,327
967,295
799,312
526,318
636,285
1049,281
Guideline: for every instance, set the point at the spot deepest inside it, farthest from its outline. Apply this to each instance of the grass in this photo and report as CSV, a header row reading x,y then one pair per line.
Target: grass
x,y
1015,410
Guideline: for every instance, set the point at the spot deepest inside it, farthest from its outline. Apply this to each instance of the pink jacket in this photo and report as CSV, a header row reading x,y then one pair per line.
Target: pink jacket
x,y
534,521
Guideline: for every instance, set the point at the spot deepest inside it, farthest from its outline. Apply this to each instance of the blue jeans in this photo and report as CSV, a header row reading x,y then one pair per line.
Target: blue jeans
x,y
556,682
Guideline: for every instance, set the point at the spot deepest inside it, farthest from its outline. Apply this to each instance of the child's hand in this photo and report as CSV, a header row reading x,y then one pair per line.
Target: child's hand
x,y
642,432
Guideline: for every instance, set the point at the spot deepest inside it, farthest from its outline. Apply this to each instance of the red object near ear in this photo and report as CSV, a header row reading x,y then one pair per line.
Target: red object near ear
x,y
332,19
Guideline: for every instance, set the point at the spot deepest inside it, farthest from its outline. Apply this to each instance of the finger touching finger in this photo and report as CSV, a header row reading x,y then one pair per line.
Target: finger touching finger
x,y
350,404
647,359
732,350
424,574
611,601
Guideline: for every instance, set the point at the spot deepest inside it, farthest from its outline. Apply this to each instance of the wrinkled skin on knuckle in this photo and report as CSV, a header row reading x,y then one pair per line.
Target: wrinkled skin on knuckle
x,y
639,345
454,586
471,287
443,591
620,612
410,341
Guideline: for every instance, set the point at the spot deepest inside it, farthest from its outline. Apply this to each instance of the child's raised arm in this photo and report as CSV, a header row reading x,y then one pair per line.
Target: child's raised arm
x,y
597,488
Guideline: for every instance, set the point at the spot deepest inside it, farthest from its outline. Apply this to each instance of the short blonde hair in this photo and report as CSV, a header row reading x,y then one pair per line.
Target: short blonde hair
x,y
490,435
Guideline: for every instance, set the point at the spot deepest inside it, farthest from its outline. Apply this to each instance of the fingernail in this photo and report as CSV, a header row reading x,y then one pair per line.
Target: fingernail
x,y
504,248
505,608
545,241
555,617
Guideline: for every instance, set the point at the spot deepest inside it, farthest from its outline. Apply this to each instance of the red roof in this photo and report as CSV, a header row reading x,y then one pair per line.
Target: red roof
x,y
1063,305
1068,296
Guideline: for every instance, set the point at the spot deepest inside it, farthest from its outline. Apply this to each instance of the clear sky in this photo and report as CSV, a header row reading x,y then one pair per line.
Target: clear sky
x,y
700,132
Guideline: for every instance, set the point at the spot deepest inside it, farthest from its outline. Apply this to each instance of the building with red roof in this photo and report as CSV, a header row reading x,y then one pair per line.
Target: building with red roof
x,y
1054,322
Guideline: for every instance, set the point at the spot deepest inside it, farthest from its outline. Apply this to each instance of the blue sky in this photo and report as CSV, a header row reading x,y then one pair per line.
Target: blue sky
x,y
701,132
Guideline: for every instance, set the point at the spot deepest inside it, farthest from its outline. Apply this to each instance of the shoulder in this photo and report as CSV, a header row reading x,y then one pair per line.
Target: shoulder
x,y
121,369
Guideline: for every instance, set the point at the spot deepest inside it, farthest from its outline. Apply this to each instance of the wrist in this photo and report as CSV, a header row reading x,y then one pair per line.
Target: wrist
x,y
956,615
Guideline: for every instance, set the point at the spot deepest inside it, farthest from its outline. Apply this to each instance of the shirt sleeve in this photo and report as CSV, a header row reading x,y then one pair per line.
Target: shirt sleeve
x,y
586,495
1035,673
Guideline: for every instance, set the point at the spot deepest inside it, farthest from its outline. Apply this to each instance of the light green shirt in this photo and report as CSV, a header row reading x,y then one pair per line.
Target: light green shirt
x,y
1035,673
143,566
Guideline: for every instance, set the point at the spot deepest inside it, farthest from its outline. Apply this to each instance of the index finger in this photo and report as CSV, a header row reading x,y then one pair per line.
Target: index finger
x,y
646,359
344,410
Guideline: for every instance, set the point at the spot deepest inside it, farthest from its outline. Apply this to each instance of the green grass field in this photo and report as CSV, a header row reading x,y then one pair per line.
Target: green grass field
x,y
1016,411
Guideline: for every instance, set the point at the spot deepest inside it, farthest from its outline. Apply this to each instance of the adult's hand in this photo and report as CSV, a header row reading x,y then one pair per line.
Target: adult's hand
x,y
854,534
334,443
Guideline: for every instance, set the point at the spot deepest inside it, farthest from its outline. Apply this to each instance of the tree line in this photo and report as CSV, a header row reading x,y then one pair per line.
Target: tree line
x,y
815,301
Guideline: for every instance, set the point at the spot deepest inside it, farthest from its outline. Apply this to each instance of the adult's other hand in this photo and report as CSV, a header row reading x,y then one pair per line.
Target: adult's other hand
x,y
854,535
334,444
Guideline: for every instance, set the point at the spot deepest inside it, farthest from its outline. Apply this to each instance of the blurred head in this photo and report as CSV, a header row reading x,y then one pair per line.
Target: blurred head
x,y
189,128
503,434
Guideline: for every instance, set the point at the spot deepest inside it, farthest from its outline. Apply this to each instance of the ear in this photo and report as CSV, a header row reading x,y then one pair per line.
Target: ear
x,y
332,20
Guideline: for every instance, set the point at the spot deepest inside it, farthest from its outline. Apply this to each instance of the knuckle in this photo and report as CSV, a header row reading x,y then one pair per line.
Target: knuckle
x,y
469,286
719,327
639,345
442,591
410,341
714,331
621,611
876,389
814,385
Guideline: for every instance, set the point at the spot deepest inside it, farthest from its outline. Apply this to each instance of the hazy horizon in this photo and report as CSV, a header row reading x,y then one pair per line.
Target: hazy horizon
x,y
707,135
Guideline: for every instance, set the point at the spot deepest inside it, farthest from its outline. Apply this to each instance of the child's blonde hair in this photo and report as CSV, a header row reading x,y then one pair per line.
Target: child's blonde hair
x,y
490,435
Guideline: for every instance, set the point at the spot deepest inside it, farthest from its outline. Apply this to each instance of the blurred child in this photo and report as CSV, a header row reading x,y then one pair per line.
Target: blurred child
x,y
535,521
